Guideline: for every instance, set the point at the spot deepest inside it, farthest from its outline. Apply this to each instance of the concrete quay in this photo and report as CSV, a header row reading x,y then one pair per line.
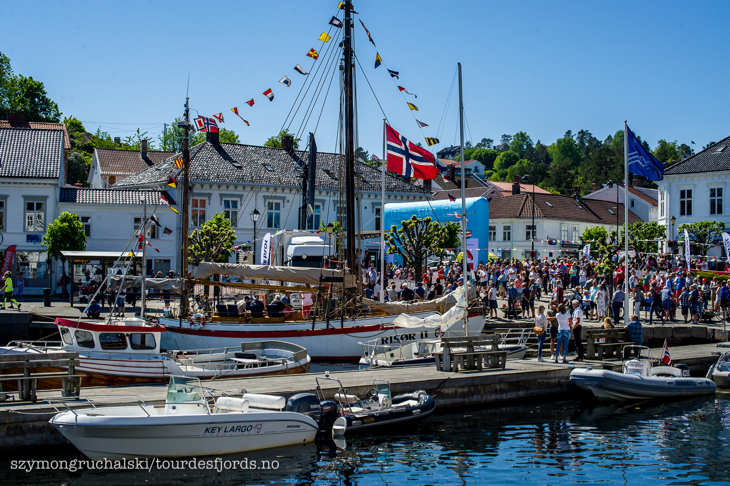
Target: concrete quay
x,y
24,424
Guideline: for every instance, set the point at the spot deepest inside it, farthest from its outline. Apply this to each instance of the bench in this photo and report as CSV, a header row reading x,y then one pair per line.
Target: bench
x,y
605,343
460,353
28,382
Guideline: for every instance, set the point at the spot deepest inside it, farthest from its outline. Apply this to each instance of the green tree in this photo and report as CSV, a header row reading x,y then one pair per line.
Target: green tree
x,y
212,242
484,155
173,139
505,160
521,168
597,237
18,92
520,143
667,152
638,232
486,143
7,79
416,239
702,233
361,154
66,233
135,140
275,142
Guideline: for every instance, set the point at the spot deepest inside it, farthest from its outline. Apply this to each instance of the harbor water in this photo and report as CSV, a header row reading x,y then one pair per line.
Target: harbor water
x,y
551,443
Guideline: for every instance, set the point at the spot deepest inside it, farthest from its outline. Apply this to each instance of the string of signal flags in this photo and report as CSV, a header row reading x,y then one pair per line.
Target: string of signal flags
x,y
210,124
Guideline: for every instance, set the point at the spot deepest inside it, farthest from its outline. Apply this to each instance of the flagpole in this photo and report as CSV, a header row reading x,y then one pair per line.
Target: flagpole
x,y
144,256
382,213
626,221
464,258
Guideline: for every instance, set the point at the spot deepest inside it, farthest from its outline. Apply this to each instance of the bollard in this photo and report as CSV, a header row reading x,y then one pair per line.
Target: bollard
x,y
46,297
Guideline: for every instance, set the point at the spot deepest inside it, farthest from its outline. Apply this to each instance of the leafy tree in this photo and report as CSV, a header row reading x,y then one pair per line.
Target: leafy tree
x,y
212,242
667,152
361,154
486,143
521,141
646,231
483,155
66,233
703,233
135,140
7,78
521,168
18,92
78,167
506,160
709,144
504,142
275,142
416,239
597,237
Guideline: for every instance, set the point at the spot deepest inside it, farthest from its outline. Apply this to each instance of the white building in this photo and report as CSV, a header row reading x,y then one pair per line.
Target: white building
x,y
694,190
109,166
643,201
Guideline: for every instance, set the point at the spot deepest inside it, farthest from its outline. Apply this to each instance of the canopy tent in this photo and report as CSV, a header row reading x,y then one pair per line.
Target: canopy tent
x,y
309,276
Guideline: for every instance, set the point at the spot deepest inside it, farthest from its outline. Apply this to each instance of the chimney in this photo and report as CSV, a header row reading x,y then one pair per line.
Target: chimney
x,y
117,140
516,186
287,143
576,191
594,186
15,115
212,137
143,148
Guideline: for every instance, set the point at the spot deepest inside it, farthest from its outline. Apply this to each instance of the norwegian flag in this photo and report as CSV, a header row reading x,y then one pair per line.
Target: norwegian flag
x,y
666,357
408,159
206,124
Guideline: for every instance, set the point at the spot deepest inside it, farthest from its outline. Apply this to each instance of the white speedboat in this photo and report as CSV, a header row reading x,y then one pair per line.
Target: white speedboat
x,y
720,371
185,426
641,380
127,351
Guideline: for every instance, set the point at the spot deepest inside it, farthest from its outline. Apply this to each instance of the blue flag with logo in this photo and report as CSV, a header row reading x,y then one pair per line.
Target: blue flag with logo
x,y
641,162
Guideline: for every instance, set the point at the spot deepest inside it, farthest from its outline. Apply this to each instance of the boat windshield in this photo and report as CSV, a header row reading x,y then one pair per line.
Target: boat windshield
x,y
184,389
382,388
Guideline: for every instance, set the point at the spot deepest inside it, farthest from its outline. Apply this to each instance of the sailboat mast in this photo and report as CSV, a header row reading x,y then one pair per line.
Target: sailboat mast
x,y
464,258
185,216
143,238
349,143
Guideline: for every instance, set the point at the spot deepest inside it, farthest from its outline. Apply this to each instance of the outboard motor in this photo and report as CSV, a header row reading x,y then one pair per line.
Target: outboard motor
x,y
684,368
324,413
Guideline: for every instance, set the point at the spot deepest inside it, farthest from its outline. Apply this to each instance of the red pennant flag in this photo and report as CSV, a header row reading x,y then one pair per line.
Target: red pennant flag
x,y
269,94
219,116
313,54
250,102
167,231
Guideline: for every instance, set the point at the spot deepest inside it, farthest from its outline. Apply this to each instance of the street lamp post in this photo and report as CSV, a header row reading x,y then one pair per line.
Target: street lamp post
x,y
672,220
532,231
255,215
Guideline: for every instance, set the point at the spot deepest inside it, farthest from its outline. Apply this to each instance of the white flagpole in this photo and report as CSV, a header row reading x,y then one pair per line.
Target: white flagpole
x,y
464,259
382,213
626,221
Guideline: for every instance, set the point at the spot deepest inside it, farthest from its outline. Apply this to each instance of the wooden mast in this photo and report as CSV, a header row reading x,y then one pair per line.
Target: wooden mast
x,y
349,143
184,302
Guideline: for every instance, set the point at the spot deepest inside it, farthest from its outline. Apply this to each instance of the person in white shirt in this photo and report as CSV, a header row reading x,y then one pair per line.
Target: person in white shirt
x,y
577,325
492,293
563,333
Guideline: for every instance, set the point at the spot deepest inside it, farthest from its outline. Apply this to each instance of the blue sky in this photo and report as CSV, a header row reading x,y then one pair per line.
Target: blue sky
x,y
535,66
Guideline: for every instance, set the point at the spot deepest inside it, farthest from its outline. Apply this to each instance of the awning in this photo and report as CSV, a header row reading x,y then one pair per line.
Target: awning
x,y
97,256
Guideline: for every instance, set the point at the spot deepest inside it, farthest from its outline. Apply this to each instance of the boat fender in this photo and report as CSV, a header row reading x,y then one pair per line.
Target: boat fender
x,y
202,321
269,402
232,404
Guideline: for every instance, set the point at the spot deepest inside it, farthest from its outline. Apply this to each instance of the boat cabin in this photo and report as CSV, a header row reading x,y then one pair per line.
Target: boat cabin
x,y
129,336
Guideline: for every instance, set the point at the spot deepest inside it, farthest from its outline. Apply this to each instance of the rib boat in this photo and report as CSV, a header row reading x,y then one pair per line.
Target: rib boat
x,y
720,371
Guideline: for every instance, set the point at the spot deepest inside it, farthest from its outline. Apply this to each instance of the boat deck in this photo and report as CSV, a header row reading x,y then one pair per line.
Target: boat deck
x,y
24,423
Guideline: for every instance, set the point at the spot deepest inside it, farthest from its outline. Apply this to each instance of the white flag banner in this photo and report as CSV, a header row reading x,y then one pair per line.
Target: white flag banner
x,y
587,251
726,241
266,250
686,247
472,252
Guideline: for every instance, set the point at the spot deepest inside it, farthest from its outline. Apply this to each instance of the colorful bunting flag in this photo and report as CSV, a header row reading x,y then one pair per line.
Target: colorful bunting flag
x,y
250,102
172,183
166,203
154,219
378,60
313,54
324,37
376,158
150,244
336,22
206,125
285,81
300,70
421,124
167,231
179,163
412,107
219,117
269,94
367,32
393,74
451,198
431,141
401,88
131,254
235,110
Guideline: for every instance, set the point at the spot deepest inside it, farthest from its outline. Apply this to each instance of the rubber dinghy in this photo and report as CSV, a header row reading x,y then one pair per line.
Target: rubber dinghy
x,y
720,371
641,381
186,426
379,409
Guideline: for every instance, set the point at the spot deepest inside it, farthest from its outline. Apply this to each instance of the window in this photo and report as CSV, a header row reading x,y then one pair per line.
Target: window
x,y
507,233
32,264
273,214
86,221
142,341
576,234
198,213
492,233
66,336
112,180
230,210
377,219
316,220
151,229
34,216
2,214
661,204
84,339
631,203
530,232
112,340
685,202
716,200
563,233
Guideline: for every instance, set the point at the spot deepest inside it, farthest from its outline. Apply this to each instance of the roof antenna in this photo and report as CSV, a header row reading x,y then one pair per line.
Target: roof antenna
x,y
187,92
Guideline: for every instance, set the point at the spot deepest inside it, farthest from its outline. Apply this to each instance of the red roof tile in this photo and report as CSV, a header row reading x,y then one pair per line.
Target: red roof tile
x,y
554,206
127,162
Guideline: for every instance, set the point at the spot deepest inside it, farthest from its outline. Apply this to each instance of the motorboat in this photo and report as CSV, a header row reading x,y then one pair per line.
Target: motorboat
x,y
127,351
377,409
376,353
720,371
185,426
641,380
